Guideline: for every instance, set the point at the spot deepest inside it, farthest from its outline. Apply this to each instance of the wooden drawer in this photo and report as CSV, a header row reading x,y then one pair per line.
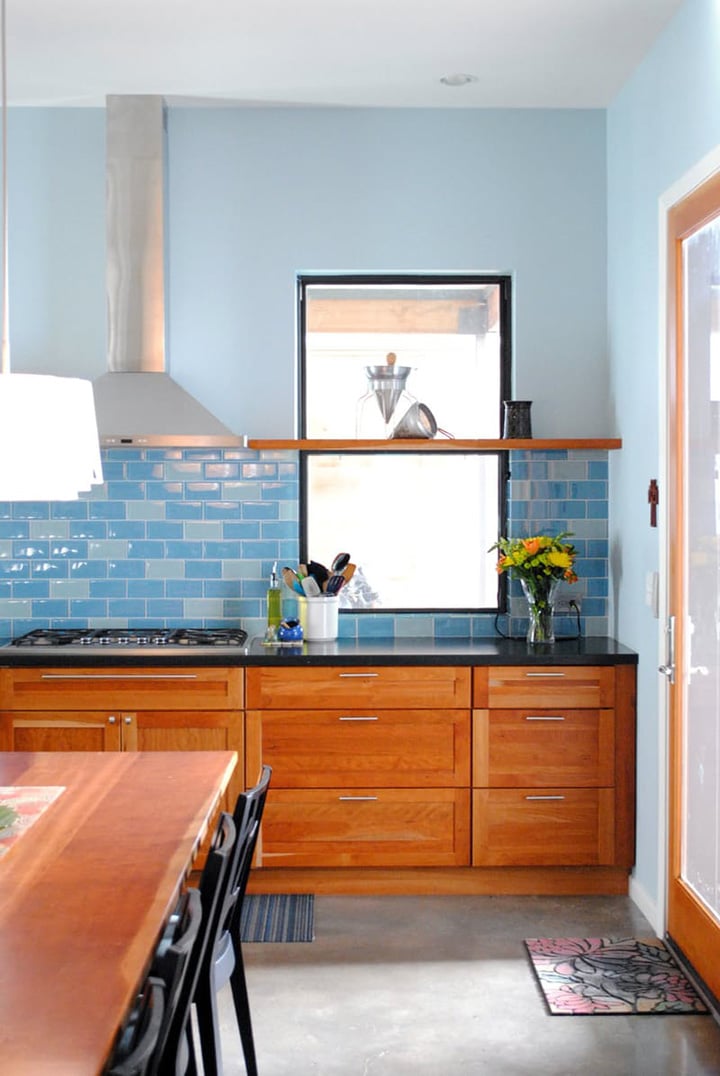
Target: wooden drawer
x,y
535,748
151,688
550,827
336,748
366,827
537,686
367,688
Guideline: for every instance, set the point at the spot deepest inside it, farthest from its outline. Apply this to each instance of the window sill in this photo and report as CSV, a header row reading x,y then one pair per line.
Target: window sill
x,y
535,444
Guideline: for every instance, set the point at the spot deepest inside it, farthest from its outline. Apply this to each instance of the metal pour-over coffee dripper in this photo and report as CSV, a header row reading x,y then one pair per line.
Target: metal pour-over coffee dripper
x,y
386,395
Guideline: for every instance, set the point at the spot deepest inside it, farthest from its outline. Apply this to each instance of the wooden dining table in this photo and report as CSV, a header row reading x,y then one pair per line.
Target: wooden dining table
x,y
85,892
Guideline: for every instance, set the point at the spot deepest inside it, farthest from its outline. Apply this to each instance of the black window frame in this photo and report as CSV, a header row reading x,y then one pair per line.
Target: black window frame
x,y
504,281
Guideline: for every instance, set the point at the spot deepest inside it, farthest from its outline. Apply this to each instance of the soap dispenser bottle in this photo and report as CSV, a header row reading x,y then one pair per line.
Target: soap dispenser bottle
x,y
274,600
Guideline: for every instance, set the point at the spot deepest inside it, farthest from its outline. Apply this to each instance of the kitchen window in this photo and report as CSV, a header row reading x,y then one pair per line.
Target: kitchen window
x,y
388,357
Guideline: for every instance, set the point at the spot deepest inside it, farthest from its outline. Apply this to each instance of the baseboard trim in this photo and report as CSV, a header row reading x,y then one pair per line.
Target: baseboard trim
x,y
639,895
515,881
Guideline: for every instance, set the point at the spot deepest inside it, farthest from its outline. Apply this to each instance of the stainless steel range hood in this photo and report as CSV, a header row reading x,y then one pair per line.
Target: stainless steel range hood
x,y
137,401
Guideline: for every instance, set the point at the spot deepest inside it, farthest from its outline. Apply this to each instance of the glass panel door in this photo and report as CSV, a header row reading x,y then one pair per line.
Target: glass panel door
x,y
694,577
701,679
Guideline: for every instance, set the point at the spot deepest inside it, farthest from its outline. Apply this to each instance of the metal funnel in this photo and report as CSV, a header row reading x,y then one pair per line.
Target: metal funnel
x,y
388,384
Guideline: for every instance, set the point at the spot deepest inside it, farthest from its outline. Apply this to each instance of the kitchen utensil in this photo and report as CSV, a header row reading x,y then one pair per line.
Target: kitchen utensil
x,y
418,421
310,587
386,397
348,572
335,583
292,580
318,571
341,561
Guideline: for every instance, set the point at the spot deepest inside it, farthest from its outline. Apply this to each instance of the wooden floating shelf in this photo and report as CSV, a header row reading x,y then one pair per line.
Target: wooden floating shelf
x,y
527,444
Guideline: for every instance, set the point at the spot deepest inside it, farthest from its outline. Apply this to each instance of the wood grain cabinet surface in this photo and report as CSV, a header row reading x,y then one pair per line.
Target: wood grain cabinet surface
x,y
553,766
124,709
396,779
371,766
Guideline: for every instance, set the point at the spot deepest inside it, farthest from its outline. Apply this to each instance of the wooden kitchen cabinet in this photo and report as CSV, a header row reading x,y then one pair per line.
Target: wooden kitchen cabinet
x,y
553,766
371,766
124,709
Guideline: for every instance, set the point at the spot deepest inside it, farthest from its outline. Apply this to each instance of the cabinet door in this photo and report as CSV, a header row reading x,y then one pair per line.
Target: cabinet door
x,y
366,827
71,730
391,686
191,730
536,748
352,748
549,827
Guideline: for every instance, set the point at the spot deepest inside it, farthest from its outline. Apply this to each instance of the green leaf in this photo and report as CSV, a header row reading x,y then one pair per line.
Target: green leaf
x,y
8,815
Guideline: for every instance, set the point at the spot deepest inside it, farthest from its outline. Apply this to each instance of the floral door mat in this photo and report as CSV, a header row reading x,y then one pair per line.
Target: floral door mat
x,y
607,976
29,802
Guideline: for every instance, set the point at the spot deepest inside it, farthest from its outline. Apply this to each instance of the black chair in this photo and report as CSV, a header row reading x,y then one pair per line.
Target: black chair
x,y
137,1045
224,963
178,1055
172,959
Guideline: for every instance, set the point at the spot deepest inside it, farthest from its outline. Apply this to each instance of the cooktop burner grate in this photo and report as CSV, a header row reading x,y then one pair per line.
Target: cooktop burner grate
x,y
131,637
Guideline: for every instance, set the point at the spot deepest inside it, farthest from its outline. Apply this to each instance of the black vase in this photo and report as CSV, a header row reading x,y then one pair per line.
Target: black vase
x,y
517,419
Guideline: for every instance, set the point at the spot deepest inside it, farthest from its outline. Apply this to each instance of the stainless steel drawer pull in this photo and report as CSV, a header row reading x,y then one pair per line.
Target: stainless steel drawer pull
x,y
351,717
356,798
112,676
546,675
544,717
358,676
544,797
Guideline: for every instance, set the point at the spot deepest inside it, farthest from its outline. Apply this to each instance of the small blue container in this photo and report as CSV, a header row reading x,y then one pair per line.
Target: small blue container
x,y
290,631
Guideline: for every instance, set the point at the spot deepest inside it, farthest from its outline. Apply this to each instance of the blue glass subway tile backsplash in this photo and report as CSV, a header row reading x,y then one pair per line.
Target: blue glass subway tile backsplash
x,y
188,538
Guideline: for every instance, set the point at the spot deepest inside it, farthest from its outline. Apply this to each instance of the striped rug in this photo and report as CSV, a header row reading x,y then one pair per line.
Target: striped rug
x,y
278,917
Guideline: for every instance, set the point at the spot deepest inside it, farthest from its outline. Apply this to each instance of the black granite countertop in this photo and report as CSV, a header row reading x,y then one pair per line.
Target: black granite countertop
x,y
593,650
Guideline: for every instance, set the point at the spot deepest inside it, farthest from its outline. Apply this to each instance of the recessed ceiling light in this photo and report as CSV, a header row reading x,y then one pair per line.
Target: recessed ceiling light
x,y
458,79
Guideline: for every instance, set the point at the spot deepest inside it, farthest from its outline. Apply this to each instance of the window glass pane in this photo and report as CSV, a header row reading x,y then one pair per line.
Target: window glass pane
x,y
448,338
418,526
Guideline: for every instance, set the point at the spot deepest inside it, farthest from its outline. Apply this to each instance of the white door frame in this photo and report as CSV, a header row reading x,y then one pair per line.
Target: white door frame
x,y
699,173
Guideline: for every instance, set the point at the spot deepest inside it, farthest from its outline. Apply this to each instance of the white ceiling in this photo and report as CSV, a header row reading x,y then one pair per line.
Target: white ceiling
x,y
379,53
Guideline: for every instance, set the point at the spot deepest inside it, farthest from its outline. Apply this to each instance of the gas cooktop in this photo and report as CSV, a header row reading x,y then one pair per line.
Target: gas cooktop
x,y
132,638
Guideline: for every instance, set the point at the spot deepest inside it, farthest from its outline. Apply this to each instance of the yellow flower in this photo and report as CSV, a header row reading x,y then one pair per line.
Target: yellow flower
x,y
537,560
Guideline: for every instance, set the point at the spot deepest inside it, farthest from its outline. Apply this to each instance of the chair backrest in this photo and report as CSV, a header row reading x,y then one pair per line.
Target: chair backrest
x,y
247,816
138,1043
214,879
172,957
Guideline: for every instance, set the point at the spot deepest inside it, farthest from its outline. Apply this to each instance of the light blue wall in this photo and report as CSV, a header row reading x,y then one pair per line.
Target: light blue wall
x,y
258,195
666,119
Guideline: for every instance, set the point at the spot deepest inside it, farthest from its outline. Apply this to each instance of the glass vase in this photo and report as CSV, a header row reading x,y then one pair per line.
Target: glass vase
x,y
540,594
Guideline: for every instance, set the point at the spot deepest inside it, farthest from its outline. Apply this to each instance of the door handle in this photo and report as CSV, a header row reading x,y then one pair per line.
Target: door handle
x,y
668,669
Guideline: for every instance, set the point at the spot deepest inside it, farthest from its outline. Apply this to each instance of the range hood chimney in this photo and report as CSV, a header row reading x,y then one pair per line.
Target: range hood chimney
x,y
137,401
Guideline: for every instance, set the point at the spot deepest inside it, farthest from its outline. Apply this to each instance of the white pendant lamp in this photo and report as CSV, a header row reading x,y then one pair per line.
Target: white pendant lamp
x,y
49,447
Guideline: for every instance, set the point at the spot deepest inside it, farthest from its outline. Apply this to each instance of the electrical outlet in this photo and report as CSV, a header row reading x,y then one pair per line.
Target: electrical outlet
x,y
564,608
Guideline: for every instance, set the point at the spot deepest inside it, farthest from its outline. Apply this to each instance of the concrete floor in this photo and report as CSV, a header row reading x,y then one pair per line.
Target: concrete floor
x,y
441,986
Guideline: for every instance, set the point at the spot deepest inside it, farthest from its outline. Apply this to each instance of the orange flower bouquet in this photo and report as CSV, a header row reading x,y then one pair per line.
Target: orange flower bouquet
x,y
540,563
